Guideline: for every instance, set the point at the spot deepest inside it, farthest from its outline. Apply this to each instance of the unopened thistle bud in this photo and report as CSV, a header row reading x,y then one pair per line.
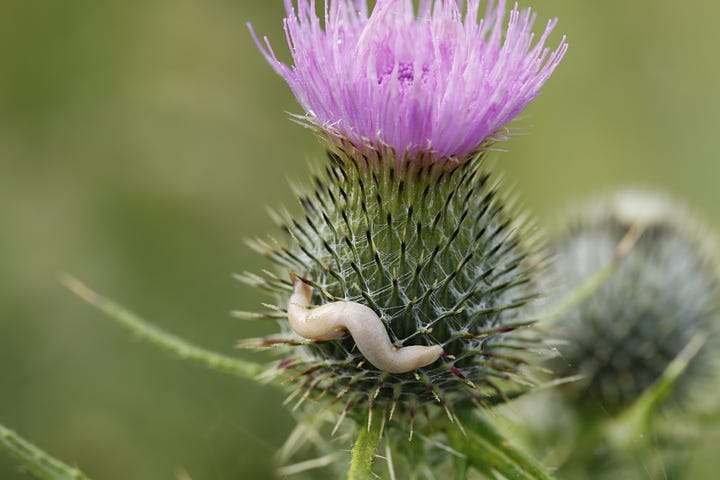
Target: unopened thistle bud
x,y
404,277
664,290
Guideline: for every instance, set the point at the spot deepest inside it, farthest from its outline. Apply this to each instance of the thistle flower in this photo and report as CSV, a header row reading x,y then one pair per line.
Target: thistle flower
x,y
431,84
409,273
663,292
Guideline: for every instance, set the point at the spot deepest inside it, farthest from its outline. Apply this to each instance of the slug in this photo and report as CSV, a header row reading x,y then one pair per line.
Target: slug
x,y
333,320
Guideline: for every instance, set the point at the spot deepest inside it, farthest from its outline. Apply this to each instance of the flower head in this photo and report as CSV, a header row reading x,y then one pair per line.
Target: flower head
x,y
437,80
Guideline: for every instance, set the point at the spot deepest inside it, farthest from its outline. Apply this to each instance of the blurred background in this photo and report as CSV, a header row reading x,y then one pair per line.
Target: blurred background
x,y
139,145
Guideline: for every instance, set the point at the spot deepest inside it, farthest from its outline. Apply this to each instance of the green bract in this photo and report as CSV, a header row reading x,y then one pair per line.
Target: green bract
x,y
433,250
664,291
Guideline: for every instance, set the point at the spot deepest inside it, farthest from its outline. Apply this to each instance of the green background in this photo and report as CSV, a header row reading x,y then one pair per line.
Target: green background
x,y
140,142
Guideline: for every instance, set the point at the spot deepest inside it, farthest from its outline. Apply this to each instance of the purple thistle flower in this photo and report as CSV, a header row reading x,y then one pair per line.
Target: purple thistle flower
x,y
434,83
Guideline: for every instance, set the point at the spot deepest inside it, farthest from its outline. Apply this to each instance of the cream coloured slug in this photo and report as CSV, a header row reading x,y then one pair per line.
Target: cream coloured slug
x,y
333,320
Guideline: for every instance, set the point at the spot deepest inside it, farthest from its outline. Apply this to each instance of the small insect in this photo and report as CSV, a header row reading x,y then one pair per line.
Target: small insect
x,y
333,320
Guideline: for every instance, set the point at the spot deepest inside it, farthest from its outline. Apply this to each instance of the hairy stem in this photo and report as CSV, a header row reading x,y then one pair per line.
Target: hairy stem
x,y
160,338
363,451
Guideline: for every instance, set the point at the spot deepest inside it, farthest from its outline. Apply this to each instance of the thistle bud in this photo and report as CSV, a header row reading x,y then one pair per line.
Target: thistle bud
x,y
663,291
403,276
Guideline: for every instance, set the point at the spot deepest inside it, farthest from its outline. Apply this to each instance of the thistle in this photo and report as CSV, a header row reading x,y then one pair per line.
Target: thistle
x,y
664,291
402,283
404,227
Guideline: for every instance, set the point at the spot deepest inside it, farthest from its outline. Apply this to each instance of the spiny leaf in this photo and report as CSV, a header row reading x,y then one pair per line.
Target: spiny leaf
x,y
39,463
160,338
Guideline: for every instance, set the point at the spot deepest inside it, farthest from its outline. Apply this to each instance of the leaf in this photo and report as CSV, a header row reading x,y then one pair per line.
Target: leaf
x,y
37,462
161,338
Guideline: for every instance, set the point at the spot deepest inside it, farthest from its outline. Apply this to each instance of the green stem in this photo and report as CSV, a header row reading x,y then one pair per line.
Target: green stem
x,y
36,461
488,450
160,338
363,451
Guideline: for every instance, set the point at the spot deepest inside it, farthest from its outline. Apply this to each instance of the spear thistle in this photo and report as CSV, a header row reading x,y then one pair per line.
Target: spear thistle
x,y
404,222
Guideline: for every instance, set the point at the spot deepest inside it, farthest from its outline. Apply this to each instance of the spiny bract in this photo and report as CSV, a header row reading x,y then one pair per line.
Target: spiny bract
x,y
663,292
434,251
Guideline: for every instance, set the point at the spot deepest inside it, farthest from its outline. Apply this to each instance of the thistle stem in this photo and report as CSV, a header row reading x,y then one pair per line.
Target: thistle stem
x,y
159,337
36,461
490,452
363,451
